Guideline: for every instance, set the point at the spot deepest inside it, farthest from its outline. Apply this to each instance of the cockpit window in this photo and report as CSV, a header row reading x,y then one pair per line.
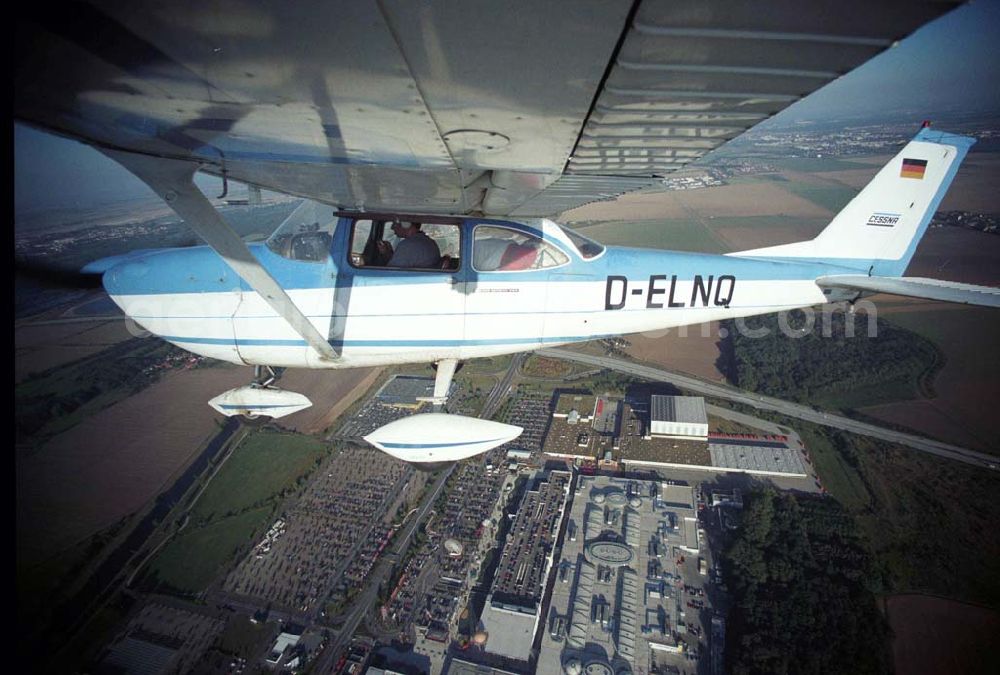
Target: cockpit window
x,y
401,244
499,249
587,247
306,235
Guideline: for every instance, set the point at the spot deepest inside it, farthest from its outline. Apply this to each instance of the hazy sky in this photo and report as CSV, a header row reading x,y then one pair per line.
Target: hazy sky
x,y
948,66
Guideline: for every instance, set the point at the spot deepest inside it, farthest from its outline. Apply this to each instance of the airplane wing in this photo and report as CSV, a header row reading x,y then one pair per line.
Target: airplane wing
x,y
519,108
916,287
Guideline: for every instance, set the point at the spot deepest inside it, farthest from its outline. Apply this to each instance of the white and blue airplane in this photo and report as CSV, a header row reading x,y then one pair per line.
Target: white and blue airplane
x,y
459,129
500,287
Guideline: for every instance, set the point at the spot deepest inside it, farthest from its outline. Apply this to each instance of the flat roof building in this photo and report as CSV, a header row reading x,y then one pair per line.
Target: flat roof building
x,y
405,391
510,616
582,404
678,417
616,598
457,666
607,416
760,457
282,644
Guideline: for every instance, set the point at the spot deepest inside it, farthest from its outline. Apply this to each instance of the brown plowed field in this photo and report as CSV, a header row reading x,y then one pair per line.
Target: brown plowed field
x,y
331,391
115,462
756,199
694,353
937,636
110,465
745,237
38,348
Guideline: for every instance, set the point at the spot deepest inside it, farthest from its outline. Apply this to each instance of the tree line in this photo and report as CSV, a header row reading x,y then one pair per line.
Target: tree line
x,y
803,591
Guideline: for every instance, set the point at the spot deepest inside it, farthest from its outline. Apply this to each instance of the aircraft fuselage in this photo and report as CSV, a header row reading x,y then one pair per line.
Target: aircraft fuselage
x,y
374,315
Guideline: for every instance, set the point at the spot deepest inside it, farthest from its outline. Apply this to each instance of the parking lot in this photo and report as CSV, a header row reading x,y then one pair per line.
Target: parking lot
x,y
332,535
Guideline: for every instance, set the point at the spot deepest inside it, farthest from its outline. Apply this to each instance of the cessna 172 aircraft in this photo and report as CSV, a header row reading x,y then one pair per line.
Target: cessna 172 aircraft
x,y
459,128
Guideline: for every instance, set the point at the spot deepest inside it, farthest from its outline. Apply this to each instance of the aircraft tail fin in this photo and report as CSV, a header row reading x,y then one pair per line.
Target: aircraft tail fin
x,y
878,231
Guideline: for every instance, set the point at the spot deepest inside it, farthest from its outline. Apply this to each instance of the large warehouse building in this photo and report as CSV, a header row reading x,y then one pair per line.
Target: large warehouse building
x,y
681,417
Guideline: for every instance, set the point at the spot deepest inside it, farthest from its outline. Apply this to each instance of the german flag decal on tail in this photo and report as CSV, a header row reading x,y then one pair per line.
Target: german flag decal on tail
x,y
913,168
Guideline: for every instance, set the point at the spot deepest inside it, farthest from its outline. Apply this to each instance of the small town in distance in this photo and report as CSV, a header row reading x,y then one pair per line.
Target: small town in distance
x,y
587,545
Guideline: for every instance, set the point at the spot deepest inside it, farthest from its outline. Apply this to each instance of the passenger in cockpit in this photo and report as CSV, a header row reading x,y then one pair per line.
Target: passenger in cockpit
x,y
502,254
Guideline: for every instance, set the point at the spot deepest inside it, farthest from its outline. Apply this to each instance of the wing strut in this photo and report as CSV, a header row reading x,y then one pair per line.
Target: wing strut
x,y
442,383
172,180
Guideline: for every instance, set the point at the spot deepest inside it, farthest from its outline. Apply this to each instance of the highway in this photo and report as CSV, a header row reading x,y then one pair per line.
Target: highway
x,y
795,410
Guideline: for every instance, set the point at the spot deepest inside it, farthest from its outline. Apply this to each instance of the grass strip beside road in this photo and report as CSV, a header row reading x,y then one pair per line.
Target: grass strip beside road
x,y
238,504
265,467
192,560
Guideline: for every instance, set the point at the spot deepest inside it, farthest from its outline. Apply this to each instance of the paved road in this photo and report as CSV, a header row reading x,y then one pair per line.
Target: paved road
x,y
500,391
795,410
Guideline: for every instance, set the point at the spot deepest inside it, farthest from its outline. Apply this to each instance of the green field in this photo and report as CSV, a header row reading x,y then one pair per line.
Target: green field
x,y
954,328
487,366
196,556
260,470
888,391
836,468
239,502
807,226
667,234
830,197
546,368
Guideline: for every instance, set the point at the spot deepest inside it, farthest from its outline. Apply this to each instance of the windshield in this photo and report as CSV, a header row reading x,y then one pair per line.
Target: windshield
x,y
587,247
306,234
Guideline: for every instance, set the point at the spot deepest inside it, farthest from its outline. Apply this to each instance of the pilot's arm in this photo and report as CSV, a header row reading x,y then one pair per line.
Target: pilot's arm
x,y
384,253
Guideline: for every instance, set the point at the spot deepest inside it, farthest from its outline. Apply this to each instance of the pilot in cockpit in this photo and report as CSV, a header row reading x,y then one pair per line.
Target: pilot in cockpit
x,y
414,249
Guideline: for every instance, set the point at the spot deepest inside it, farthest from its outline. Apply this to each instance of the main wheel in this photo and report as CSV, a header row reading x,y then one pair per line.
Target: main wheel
x,y
254,421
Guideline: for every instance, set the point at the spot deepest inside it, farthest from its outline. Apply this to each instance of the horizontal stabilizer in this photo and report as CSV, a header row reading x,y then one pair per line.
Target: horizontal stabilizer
x,y
915,287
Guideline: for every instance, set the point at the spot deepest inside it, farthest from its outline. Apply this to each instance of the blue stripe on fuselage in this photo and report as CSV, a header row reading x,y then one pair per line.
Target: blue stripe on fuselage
x,y
264,342
201,270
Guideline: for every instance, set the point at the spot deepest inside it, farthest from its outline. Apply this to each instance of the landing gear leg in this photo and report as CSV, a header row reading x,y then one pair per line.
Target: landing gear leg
x,y
850,304
260,401
442,383
264,376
